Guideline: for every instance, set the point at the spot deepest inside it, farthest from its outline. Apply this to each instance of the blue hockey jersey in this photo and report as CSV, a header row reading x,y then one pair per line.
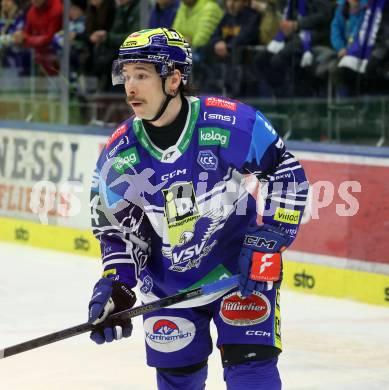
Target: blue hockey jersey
x,y
174,219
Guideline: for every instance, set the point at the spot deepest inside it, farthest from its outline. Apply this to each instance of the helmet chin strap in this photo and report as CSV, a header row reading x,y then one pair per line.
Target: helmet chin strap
x,y
164,104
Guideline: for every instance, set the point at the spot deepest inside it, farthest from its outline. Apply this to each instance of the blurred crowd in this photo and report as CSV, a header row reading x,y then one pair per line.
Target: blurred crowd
x,y
258,48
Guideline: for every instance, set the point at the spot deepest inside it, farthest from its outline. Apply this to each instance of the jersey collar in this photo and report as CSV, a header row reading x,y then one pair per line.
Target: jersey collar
x,y
174,152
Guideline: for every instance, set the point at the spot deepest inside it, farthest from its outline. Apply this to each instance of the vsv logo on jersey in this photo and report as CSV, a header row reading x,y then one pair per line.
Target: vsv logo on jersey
x,y
214,136
188,232
126,159
168,334
207,160
191,252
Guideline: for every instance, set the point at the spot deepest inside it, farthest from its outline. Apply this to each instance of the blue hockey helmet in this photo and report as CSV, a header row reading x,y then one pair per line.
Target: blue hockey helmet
x,y
165,48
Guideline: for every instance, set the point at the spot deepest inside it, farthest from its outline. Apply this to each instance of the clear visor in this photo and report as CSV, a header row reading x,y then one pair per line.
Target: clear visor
x,y
117,69
117,73
164,68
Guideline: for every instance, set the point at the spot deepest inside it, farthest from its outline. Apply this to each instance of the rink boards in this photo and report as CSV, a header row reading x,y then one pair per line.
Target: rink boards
x,y
341,250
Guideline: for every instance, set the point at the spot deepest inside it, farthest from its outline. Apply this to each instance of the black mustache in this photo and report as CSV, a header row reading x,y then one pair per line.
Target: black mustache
x,y
130,99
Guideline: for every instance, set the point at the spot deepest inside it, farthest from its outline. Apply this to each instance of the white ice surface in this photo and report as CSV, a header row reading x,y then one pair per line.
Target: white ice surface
x,y
328,343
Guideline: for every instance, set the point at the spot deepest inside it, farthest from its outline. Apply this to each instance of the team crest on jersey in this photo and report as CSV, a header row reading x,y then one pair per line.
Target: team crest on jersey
x,y
188,231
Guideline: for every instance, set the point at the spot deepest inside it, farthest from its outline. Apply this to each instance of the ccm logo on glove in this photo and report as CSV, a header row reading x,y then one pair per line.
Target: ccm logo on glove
x,y
266,267
259,242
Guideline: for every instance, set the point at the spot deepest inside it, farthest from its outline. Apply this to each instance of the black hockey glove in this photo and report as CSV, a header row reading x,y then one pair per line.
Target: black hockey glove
x,y
109,297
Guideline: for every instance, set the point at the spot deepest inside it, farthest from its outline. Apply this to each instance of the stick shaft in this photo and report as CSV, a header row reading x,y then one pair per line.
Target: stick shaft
x,y
130,313
45,340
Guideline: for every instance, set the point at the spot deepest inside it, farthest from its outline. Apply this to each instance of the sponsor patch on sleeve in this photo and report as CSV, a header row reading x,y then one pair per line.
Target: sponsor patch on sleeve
x,y
220,103
287,216
116,134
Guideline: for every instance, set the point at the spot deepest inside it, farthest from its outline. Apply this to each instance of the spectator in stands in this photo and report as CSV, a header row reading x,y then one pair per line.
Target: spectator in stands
x,y
12,57
237,29
99,16
24,5
11,20
270,19
163,13
197,20
76,25
286,65
44,19
376,79
78,49
107,42
345,26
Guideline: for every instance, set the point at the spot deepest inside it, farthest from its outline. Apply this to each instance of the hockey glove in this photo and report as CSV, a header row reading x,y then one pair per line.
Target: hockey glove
x,y
109,297
260,261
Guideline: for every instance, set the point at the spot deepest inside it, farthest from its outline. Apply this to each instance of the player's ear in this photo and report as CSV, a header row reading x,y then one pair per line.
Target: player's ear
x,y
175,81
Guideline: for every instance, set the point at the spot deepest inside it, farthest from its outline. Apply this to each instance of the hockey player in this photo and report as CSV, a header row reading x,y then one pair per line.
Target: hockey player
x,y
174,205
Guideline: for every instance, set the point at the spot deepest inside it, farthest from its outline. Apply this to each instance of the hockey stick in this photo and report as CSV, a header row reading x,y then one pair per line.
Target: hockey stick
x,y
207,289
